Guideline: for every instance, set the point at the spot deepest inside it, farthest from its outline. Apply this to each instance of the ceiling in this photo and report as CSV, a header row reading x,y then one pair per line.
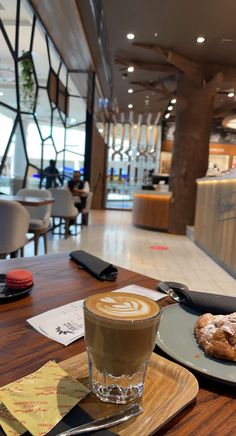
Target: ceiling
x,y
171,24
79,27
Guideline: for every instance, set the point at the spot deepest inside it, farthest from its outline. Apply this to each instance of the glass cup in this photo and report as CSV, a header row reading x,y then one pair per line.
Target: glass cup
x,y
120,333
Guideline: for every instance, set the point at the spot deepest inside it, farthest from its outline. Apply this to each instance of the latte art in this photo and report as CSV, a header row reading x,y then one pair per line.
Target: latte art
x,y
122,306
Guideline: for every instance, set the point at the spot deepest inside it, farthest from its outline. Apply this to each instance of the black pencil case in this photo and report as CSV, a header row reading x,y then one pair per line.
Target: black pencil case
x,y
97,267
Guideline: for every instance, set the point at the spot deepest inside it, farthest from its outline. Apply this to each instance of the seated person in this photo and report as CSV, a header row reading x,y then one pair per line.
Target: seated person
x,y
80,189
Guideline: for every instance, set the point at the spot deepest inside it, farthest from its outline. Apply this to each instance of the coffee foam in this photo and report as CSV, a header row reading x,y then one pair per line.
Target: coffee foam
x,y
122,305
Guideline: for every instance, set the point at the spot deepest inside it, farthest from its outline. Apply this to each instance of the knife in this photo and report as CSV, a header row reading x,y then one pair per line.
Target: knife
x,y
108,421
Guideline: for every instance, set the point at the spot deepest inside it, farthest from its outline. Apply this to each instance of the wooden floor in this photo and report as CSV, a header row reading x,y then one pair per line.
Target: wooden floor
x,y
111,236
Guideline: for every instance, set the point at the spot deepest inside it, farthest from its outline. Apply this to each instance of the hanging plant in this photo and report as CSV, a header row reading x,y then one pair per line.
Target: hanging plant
x,y
27,81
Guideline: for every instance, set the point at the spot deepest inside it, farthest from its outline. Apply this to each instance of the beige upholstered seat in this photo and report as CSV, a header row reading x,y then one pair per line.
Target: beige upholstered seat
x,y
14,223
85,211
39,216
63,207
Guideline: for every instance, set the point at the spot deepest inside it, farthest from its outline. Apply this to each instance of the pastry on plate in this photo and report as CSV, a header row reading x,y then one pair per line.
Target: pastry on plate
x,y
216,334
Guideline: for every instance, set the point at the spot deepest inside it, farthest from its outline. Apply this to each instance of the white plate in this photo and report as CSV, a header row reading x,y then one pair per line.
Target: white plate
x,y
176,338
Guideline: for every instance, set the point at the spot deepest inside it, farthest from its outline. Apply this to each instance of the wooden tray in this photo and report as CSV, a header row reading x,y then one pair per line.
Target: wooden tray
x,y
168,389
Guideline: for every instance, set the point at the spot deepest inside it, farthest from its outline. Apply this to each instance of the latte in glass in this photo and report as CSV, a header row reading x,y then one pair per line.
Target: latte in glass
x,y
120,332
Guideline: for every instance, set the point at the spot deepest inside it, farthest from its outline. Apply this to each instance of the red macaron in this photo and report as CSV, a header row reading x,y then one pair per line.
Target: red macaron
x,y
19,279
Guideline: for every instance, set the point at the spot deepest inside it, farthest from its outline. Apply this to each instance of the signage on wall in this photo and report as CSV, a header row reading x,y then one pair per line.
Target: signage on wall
x,y
227,207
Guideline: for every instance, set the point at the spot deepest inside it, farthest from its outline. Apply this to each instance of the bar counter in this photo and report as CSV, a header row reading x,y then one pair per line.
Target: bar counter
x,y
151,210
215,219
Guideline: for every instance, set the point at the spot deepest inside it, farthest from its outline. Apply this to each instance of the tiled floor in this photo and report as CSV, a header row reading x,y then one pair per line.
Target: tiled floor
x,y
111,236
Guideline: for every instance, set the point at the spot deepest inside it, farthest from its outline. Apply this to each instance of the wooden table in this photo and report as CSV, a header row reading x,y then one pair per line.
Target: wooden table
x,y
28,200
59,281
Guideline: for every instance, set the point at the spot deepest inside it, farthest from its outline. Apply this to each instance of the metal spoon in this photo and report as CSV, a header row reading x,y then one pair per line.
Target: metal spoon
x,y
173,295
164,287
108,421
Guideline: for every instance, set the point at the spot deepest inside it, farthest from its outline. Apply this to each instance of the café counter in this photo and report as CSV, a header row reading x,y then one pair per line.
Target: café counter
x,y
151,210
215,219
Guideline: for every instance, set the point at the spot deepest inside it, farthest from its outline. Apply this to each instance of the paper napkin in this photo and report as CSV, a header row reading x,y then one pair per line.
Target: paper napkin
x,y
40,400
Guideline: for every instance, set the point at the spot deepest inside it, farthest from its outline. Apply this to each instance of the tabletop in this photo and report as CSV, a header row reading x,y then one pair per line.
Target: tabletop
x,y
58,281
29,200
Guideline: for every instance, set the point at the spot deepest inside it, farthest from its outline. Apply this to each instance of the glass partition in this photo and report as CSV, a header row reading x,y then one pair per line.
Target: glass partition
x,y
133,155
42,104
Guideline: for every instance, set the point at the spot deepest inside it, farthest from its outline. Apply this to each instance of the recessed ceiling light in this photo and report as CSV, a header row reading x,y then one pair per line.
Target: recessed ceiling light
x,y
130,91
130,106
130,69
229,121
173,101
232,124
155,34
1,94
231,94
130,36
167,115
200,39
170,108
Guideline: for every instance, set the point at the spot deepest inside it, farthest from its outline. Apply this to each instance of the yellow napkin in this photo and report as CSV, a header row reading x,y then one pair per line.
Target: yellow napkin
x,y
10,425
40,400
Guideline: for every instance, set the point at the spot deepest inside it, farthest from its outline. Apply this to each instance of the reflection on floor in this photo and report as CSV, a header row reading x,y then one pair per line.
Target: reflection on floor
x,y
111,236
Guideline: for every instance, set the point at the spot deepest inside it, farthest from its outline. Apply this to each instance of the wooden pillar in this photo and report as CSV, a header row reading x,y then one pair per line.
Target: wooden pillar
x,y
194,112
196,88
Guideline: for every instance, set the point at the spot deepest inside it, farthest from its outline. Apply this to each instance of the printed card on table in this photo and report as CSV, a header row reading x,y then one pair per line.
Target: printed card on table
x,y
65,324
65,328
135,289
